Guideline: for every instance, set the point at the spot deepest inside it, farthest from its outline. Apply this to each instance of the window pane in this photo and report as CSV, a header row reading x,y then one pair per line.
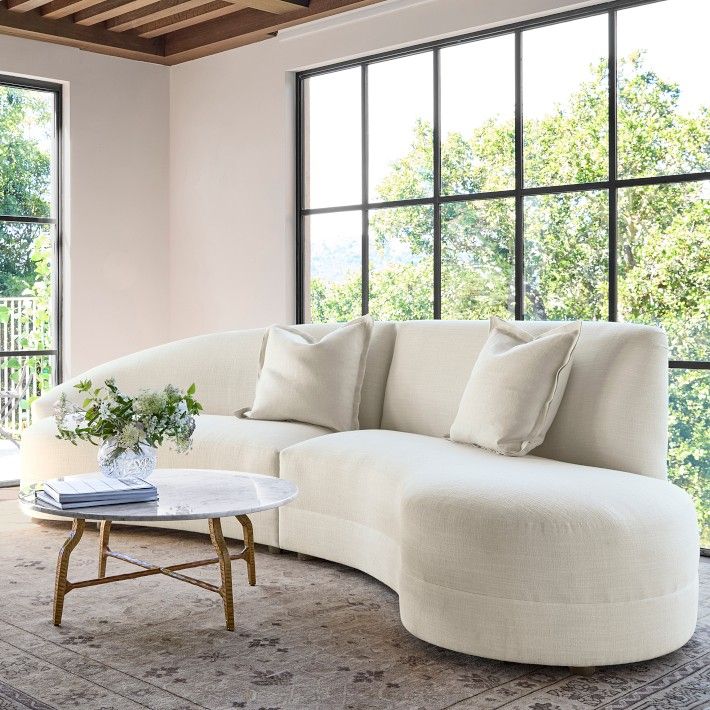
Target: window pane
x,y
401,263
26,150
664,90
22,380
334,246
477,255
478,116
565,102
664,263
26,287
332,139
400,128
566,256
689,443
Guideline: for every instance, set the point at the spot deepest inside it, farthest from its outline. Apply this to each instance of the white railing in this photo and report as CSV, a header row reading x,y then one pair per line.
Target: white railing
x,y
17,384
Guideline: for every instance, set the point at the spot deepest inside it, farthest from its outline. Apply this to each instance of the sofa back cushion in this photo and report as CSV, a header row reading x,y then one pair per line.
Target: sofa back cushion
x,y
613,413
377,367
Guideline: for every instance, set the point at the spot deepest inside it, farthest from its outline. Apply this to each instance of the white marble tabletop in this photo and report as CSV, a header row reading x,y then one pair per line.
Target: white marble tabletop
x,y
190,494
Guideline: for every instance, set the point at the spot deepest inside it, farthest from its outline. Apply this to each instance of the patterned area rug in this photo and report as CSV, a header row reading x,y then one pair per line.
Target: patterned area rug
x,y
310,635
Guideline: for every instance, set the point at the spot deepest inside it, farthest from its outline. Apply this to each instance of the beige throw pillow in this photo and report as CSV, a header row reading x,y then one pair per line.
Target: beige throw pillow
x,y
313,381
515,388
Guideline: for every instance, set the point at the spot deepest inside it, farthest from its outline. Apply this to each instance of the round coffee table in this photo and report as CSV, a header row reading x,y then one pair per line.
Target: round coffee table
x,y
184,494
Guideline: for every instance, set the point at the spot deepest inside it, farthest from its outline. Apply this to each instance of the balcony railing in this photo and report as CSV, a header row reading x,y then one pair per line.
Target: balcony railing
x,y
21,378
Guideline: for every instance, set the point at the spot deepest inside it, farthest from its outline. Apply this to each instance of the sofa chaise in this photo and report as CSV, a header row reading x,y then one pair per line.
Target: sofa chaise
x,y
581,554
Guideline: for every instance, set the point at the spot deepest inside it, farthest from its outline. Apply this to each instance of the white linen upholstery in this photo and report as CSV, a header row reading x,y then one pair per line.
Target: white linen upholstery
x,y
613,414
515,388
314,380
521,559
219,442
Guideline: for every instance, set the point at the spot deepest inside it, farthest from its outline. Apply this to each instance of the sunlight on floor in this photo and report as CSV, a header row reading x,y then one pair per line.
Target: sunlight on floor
x,y
9,463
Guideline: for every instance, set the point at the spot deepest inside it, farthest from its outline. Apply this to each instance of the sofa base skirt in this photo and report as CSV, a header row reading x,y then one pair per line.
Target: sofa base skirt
x,y
555,634
342,541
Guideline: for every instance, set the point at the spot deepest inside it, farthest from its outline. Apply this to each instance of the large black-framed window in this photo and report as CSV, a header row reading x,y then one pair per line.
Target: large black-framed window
x,y
616,226
30,246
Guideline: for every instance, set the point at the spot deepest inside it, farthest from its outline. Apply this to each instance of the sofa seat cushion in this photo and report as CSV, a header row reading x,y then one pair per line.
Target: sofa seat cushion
x,y
219,442
525,527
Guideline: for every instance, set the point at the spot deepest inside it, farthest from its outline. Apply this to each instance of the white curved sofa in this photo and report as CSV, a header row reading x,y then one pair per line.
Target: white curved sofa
x,y
582,554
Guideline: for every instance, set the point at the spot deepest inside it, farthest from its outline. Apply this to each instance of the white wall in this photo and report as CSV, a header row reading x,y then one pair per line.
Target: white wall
x,y
116,240
232,155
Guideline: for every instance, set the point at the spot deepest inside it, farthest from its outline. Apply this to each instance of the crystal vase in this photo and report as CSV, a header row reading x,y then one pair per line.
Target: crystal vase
x,y
128,463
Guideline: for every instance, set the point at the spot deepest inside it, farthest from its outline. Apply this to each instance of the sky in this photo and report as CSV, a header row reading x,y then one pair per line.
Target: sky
x,y
674,35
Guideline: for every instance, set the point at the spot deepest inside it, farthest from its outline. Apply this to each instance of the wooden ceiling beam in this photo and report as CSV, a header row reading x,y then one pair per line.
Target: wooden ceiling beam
x,y
152,13
210,11
246,27
277,6
32,25
108,10
63,8
25,5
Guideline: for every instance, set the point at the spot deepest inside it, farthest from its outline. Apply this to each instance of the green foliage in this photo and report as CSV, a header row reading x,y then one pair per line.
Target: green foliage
x,y
109,414
25,174
663,236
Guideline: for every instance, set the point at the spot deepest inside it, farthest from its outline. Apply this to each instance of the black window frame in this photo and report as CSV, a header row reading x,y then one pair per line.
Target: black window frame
x,y
56,221
611,185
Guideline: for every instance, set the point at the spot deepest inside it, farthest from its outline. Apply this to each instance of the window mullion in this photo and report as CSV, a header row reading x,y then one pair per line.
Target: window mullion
x,y
437,183
519,206
300,185
613,171
365,143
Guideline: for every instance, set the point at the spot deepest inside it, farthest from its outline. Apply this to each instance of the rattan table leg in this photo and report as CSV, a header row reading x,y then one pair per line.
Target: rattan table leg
x,y
225,568
104,532
248,547
61,586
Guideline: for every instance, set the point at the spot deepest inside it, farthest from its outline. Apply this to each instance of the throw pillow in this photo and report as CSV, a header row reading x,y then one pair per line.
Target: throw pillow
x,y
515,388
313,381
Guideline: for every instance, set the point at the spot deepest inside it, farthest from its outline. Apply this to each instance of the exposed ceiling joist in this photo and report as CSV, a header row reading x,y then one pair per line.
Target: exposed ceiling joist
x,y
63,8
277,6
108,9
156,11
211,11
25,5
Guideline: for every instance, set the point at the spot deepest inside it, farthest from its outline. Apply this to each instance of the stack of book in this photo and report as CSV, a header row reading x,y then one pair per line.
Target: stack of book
x,y
90,491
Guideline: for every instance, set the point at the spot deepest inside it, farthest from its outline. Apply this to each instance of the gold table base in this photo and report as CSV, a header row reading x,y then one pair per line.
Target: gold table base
x,y
62,586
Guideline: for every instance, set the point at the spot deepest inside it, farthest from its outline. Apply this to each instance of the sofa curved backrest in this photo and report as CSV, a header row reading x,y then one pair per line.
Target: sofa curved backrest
x,y
224,367
613,414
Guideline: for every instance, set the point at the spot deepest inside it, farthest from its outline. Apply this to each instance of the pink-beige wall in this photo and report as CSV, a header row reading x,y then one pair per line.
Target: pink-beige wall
x,y
116,216
232,211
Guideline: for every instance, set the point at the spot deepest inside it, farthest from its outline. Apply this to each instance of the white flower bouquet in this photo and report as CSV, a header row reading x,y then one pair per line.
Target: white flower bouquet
x,y
128,429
